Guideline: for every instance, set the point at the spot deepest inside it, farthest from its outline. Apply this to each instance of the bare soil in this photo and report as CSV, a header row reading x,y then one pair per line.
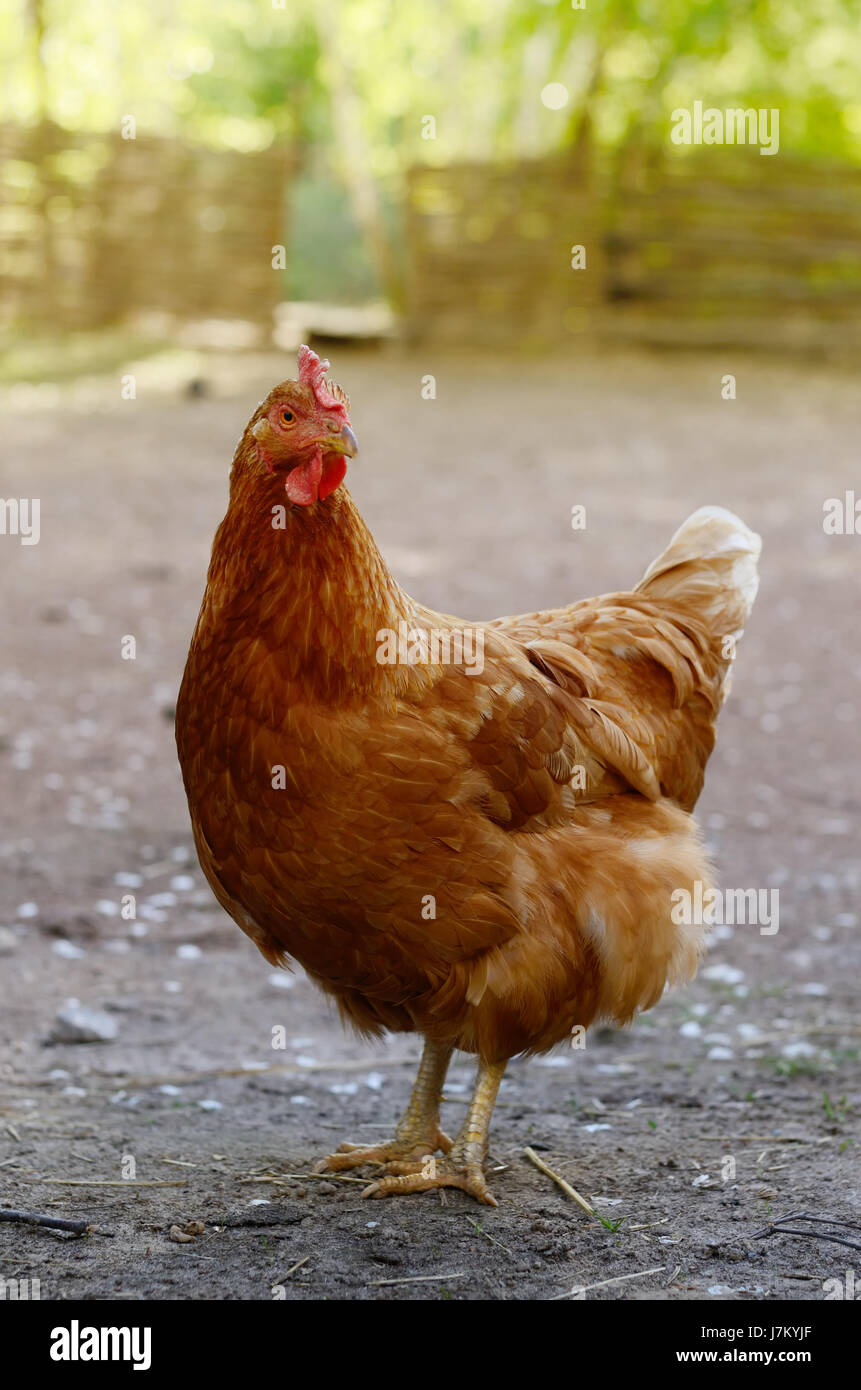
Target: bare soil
x,y
734,1102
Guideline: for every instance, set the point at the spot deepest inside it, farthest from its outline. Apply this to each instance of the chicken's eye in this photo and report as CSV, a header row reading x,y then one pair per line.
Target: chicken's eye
x,y
287,417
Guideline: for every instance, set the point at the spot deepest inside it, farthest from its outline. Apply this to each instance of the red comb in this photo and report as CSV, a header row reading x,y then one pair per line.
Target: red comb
x,y
312,372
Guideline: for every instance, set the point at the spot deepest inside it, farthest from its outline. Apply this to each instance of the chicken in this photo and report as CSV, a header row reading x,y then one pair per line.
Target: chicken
x,y
484,852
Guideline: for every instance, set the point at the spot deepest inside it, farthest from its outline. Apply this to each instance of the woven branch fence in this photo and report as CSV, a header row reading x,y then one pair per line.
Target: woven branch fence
x,y
712,248
95,228
708,247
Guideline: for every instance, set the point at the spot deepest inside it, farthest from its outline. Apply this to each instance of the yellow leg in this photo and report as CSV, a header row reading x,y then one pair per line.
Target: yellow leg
x,y
464,1166
418,1133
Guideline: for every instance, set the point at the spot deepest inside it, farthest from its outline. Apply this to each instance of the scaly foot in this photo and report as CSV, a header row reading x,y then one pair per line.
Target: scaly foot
x,y
418,1133
431,1173
464,1166
405,1152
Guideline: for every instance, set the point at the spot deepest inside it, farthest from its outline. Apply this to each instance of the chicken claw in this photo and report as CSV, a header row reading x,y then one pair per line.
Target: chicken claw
x,y
464,1165
405,1151
418,1134
435,1173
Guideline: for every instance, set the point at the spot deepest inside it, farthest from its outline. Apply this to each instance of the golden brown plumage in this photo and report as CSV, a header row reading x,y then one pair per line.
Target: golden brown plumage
x,y
486,858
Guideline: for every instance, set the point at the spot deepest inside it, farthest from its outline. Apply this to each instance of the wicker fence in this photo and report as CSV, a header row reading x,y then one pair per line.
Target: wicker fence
x,y
713,247
717,247
491,250
95,228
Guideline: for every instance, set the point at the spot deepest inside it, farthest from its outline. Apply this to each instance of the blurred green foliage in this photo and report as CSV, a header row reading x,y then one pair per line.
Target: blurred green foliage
x,y
241,73
328,257
350,84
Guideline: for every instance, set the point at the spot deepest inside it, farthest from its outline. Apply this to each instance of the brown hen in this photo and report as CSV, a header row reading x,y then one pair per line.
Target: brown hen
x,y
469,831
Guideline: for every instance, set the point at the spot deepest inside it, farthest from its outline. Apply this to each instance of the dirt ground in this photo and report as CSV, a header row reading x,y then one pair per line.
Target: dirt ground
x,y
734,1102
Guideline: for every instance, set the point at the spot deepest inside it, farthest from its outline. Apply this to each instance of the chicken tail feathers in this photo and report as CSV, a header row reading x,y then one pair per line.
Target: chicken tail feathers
x,y
710,566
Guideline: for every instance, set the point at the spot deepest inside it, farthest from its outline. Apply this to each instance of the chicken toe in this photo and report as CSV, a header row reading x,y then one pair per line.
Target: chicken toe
x,y
463,1166
418,1134
434,1173
403,1153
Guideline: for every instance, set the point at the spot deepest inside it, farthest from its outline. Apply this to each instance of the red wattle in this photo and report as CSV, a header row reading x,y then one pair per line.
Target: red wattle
x,y
301,484
333,475
310,482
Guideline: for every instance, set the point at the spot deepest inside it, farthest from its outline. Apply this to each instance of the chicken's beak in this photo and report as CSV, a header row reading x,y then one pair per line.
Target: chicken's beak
x,y
344,442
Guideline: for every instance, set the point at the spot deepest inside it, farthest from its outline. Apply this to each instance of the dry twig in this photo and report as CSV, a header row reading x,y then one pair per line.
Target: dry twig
x,y
52,1223
777,1228
560,1181
602,1284
281,1178
482,1232
109,1182
418,1279
292,1269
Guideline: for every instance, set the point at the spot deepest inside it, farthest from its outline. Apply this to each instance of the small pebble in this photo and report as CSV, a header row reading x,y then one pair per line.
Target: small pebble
x,y
798,1049
77,1024
67,950
152,914
723,974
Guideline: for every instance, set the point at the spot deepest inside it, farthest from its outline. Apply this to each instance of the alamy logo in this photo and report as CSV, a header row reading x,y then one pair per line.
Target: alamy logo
x,y
842,515
712,907
436,646
838,1288
76,1343
735,126
20,1290
19,516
